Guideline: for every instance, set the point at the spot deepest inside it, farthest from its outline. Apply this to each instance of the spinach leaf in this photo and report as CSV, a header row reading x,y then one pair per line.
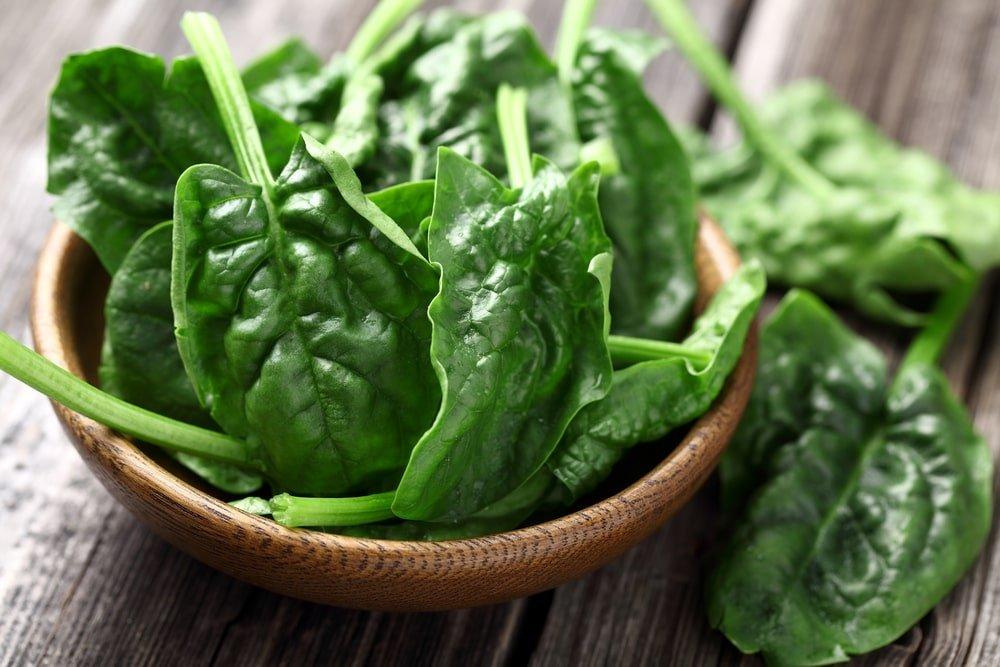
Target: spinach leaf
x,y
140,362
446,98
519,338
296,317
649,399
828,203
893,227
121,130
648,201
864,501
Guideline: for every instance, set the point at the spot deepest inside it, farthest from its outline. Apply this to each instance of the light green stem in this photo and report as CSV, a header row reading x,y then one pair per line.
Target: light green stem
x,y
575,19
928,345
209,44
386,16
512,110
714,70
63,387
628,350
296,511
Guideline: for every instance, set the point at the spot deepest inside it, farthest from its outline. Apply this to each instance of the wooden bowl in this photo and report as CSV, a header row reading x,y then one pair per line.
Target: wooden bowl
x,y
365,573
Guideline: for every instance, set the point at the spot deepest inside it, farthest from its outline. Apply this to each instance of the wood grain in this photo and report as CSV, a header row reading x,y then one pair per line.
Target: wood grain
x,y
83,582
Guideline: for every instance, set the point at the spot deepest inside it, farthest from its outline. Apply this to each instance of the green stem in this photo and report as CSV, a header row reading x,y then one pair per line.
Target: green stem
x,y
209,44
684,30
575,19
628,350
386,16
63,387
512,110
928,345
296,511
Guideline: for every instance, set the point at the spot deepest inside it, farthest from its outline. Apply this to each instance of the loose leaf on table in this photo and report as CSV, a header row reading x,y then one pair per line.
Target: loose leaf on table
x,y
519,338
648,202
894,226
294,323
121,131
863,502
446,97
649,399
140,362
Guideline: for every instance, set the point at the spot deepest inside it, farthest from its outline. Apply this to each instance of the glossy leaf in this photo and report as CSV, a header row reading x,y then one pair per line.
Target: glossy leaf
x,y
649,399
446,97
304,331
862,502
894,226
648,204
140,362
121,131
519,341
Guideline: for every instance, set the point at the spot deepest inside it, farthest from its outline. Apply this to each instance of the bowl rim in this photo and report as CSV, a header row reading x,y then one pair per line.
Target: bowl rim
x,y
648,502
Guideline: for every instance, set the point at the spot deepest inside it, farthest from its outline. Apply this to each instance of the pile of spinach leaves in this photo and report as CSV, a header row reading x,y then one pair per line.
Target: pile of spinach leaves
x,y
441,282
384,286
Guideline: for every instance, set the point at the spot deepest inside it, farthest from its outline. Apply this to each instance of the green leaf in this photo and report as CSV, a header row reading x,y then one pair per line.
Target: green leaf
x,y
445,96
409,205
140,362
121,131
649,399
868,501
306,332
894,226
519,332
648,205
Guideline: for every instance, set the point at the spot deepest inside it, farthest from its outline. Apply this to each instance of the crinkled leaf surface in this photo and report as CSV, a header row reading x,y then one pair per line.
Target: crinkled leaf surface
x,y
868,500
140,362
447,97
649,399
306,333
121,131
648,206
519,340
893,228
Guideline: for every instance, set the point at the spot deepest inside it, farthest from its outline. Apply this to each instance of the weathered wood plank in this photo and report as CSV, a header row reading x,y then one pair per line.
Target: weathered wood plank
x,y
927,73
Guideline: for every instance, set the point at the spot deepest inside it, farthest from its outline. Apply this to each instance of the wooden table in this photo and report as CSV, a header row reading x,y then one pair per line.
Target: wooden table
x,y
81,581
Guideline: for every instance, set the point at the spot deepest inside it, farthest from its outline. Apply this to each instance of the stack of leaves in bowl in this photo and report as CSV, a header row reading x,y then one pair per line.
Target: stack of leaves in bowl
x,y
422,291
441,283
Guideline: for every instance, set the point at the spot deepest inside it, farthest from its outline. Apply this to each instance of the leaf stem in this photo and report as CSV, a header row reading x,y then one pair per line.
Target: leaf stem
x,y
575,19
63,387
512,110
209,44
628,350
928,345
296,511
684,30
386,16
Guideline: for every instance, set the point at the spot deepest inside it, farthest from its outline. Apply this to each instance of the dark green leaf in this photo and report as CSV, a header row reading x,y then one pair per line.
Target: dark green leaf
x,y
648,206
651,398
140,362
869,501
447,97
121,132
306,333
519,332
894,227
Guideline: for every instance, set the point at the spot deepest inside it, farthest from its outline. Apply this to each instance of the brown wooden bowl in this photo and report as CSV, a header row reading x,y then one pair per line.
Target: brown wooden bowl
x,y
365,573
